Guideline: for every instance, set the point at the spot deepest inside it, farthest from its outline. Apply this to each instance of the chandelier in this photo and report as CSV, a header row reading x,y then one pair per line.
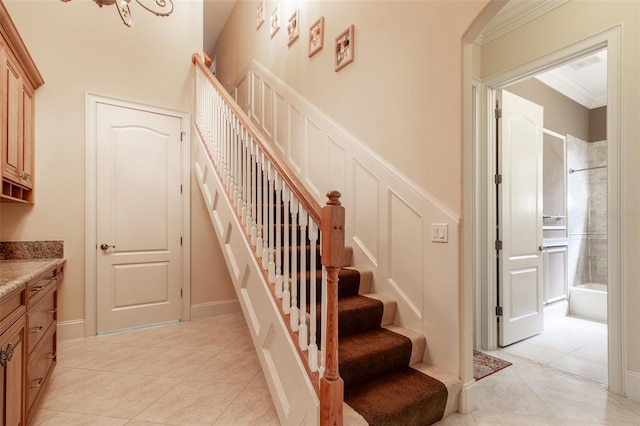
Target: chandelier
x,y
157,7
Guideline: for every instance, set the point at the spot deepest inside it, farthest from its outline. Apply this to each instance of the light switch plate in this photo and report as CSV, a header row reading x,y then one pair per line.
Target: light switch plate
x,y
440,232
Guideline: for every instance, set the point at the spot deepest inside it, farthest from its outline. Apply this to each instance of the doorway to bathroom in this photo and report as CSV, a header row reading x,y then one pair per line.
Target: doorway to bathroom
x,y
556,285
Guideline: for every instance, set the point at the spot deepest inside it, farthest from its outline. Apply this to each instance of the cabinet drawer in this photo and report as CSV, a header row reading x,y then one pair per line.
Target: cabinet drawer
x,y
39,287
40,365
40,317
12,307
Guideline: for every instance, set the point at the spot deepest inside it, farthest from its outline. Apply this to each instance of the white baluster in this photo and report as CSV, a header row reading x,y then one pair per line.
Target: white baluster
x,y
271,267
265,213
259,219
302,333
294,318
287,249
313,302
278,227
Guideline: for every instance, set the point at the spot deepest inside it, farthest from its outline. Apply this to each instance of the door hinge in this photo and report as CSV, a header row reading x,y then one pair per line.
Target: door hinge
x,y
181,189
499,311
498,245
180,241
182,135
180,293
498,112
497,179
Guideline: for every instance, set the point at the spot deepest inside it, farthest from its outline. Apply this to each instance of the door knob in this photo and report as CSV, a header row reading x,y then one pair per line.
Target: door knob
x,y
104,246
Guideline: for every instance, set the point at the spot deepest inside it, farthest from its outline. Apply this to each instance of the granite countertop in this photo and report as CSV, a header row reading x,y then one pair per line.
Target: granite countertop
x,y
16,273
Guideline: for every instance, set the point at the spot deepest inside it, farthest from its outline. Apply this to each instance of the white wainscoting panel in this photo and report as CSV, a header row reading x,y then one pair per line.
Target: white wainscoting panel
x,y
294,145
256,98
281,129
315,157
242,94
366,214
294,396
406,251
267,109
337,166
388,217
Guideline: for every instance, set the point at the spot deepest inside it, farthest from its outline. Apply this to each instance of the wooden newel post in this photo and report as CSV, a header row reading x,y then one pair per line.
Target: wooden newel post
x,y
331,384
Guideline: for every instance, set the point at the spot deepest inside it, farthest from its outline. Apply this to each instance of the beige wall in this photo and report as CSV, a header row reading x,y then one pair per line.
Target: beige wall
x,y
557,30
561,114
401,96
598,124
82,48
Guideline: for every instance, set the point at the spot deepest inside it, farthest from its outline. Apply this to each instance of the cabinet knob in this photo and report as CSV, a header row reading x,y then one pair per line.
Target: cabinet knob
x,y
24,175
38,382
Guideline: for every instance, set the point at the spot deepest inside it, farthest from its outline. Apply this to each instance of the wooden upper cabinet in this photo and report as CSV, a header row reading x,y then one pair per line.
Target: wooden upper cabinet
x,y
19,80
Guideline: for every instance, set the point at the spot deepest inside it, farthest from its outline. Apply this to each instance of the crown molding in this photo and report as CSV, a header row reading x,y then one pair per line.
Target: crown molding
x,y
574,91
513,15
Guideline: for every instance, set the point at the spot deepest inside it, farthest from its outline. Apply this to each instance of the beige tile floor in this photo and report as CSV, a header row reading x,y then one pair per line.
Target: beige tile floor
x,y
206,372
571,344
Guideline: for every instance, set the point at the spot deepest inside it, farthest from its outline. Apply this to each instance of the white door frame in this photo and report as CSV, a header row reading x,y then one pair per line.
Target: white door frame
x,y
483,154
90,282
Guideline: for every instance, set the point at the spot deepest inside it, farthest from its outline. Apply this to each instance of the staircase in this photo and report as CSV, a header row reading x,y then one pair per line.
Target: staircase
x,y
385,380
362,355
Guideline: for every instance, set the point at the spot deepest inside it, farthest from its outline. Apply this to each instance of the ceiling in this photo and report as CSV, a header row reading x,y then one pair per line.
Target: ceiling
x,y
583,80
215,14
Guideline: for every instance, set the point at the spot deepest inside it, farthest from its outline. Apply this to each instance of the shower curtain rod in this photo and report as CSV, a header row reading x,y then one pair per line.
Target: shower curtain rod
x,y
586,168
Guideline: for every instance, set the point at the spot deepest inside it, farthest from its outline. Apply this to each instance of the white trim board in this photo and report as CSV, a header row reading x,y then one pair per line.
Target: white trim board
x,y
212,309
486,231
91,101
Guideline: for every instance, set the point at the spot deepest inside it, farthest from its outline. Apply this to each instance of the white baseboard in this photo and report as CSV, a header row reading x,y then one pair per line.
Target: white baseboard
x,y
210,309
68,330
633,385
469,397
74,329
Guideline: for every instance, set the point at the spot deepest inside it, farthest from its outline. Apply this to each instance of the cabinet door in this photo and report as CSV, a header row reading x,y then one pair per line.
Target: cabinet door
x,y
13,375
556,274
27,124
12,142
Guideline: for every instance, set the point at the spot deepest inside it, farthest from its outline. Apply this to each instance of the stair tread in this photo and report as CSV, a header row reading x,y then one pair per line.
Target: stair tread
x,y
407,397
369,354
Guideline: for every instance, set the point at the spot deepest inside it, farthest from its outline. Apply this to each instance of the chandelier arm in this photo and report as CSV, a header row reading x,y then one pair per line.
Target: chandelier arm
x,y
124,12
166,7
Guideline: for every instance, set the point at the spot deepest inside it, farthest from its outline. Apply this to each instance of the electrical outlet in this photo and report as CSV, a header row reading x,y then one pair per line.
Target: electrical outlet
x,y
440,232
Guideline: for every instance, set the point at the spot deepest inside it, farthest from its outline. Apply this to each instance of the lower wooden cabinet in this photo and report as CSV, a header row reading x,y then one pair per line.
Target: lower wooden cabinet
x,y
27,346
13,374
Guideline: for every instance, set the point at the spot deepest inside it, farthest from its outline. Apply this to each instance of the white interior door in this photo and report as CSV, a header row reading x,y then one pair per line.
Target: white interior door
x,y
521,278
138,205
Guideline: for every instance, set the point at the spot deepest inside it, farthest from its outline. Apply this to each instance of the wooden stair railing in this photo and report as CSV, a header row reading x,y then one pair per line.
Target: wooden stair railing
x,y
270,200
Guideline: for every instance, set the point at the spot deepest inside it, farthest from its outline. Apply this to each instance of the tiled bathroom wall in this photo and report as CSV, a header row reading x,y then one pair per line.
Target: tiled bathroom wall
x,y
587,211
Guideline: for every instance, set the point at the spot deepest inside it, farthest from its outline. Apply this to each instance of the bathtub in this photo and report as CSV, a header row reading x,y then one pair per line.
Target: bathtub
x,y
588,301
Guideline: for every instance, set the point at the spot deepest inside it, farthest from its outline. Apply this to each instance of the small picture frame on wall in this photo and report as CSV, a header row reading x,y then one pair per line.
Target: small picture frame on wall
x,y
316,36
275,21
293,29
344,48
260,15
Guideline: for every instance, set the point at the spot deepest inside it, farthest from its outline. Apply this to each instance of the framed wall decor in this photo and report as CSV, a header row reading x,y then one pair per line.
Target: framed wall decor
x,y
275,21
260,15
293,29
316,36
344,48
